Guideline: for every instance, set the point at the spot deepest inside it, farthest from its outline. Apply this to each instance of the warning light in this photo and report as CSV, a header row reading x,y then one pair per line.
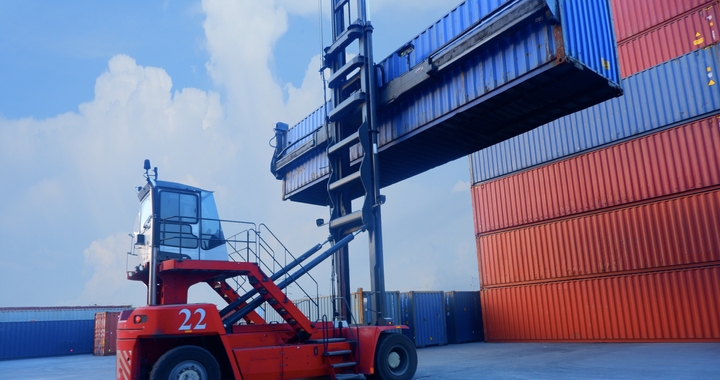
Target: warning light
x,y
140,318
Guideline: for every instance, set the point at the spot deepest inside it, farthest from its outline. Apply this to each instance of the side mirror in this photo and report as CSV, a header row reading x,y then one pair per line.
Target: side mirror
x,y
140,239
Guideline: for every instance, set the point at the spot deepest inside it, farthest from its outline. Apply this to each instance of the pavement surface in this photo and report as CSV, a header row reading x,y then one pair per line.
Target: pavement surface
x,y
473,361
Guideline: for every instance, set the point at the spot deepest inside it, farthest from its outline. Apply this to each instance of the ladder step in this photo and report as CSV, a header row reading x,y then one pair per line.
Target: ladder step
x,y
346,106
352,84
349,221
344,143
353,32
337,78
350,376
344,365
338,353
344,181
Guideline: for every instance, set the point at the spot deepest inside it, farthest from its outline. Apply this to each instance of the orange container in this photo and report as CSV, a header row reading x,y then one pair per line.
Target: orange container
x,y
664,163
105,333
681,231
670,306
692,31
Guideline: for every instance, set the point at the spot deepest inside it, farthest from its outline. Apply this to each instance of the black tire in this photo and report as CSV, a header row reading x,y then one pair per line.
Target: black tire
x,y
182,359
395,358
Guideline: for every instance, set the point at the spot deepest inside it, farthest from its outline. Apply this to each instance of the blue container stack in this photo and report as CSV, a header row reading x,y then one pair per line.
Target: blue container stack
x,y
522,63
48,331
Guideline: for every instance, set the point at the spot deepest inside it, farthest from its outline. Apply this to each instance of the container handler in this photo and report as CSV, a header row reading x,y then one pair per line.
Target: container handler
x,y
179,241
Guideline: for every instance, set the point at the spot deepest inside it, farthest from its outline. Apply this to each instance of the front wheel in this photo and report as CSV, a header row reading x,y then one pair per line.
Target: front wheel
x,y
395,358
186,363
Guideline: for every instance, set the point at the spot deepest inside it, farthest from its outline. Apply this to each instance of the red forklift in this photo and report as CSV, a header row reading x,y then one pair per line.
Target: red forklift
x,y
180,242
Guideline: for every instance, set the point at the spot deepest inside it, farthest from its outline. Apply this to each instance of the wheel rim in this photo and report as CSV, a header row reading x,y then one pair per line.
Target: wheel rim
x,y
188,370
397,360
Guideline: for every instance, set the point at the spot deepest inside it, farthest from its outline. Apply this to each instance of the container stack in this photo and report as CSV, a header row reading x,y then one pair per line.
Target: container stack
x,y
105,333
603,225
27,332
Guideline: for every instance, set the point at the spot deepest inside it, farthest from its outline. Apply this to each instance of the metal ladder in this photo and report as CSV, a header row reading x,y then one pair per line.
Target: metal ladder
x,y
352,122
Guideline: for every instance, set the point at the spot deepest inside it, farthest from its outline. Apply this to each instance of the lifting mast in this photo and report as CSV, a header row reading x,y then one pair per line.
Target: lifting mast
x,y
353,120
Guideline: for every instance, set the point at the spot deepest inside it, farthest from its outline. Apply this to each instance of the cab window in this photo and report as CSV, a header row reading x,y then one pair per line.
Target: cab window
x,y
178,211
178,207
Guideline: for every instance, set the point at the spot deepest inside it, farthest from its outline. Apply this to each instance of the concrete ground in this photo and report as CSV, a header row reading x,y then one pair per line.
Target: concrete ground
x,y
473,361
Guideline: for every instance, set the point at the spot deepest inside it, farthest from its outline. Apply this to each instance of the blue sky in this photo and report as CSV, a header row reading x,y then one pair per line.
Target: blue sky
x,y
89,89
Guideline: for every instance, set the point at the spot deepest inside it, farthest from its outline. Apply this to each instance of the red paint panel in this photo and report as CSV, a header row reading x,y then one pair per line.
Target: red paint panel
x,y
680,231
680,305
668,162
635,16
682,35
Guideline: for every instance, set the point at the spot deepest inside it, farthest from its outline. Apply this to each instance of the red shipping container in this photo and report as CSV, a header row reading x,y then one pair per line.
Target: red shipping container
x,y
681,231
672,39
670,306
668,162
105,333
635,16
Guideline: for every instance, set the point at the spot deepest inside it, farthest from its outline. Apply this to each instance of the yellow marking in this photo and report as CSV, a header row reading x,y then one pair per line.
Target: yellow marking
x,y
697,34
712,82
188,331
698,41
709,69
605,63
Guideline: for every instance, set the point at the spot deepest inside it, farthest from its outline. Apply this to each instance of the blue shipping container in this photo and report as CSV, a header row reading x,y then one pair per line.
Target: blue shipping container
x,y
424,314
55,313
463,317
666,95
487,71
46,338
392,307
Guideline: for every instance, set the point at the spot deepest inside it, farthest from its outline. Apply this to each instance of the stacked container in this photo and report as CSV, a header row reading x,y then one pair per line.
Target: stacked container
x,y
105,333
603,225
27,332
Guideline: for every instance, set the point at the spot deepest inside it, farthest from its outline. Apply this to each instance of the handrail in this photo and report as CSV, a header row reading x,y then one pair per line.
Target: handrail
x,y
248,244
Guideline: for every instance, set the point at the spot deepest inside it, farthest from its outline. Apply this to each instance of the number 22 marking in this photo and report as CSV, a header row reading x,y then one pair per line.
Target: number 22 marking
x,y
188,326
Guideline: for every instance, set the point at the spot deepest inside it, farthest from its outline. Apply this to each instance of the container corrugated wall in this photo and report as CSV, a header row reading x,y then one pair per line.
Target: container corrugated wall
x,y
54,313
667,94
105,333
424,314
45,338
603,225
677,305
681,231
695,30
463,317
556,69
362,307
636,16
668,162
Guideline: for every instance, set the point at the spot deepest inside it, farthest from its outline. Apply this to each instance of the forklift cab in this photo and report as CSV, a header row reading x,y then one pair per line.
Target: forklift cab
x,y
177,221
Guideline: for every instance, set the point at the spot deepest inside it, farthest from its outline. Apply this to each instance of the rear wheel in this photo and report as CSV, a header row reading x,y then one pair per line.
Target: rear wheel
x,y
186,363
395,358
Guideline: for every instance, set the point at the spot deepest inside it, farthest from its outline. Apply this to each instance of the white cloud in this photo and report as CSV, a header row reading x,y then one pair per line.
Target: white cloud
x,y
461,186
70,203
74,173
106,259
